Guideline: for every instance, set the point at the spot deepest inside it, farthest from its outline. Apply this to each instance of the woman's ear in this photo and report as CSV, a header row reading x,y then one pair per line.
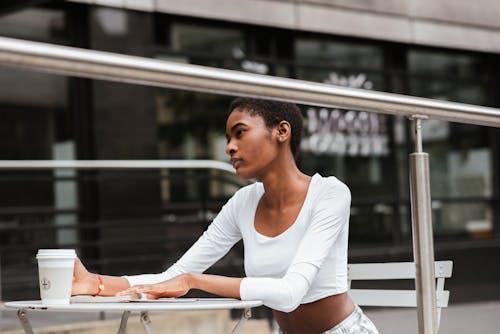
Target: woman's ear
x,y
284,131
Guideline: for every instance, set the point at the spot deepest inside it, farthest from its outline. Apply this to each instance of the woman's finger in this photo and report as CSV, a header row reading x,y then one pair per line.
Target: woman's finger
x,y
136,289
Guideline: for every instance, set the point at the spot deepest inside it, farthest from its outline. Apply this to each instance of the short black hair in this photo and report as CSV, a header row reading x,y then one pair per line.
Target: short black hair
x,y
273,112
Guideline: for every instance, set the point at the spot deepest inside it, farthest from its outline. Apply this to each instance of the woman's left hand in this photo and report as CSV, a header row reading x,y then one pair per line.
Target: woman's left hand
x,y
175,287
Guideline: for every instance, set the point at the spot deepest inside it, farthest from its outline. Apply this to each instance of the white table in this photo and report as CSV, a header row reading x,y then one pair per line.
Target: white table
x,y
196,304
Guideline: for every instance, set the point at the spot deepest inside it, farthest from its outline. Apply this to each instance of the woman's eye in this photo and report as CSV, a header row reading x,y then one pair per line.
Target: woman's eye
x,y
239,133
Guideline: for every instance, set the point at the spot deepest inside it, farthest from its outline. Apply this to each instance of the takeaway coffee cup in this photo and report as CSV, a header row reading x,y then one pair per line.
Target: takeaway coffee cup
x,y
55,275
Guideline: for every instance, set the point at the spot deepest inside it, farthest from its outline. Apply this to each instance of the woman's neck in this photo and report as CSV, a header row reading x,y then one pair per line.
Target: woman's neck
x,y
285,187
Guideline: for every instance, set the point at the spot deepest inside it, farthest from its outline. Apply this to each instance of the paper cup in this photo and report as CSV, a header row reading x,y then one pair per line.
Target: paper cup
x,y
55,275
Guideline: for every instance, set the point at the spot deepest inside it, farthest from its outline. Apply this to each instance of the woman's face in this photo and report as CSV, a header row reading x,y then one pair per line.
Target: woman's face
x,y
251,145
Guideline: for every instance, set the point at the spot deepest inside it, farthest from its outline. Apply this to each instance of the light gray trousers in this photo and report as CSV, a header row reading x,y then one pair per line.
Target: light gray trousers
x,y
356,323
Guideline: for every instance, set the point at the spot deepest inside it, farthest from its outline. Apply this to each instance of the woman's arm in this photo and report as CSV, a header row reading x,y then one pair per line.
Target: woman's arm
x,y
216,241
180,285
87,283
219,285
209,248
282,294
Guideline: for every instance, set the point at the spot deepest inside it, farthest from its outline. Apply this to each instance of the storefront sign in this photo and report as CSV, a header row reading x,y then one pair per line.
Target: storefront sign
x,y
346,132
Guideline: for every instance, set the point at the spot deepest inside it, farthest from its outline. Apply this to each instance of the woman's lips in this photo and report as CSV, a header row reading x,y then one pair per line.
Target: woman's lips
x,y
236,162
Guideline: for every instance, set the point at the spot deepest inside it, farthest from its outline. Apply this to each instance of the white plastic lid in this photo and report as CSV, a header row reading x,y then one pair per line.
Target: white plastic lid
x,y
56,254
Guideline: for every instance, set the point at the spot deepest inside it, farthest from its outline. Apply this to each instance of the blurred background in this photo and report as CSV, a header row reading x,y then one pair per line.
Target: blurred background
x,y
142,221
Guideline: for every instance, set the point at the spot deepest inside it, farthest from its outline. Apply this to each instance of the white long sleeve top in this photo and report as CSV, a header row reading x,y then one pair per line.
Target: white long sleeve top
x,y
306,262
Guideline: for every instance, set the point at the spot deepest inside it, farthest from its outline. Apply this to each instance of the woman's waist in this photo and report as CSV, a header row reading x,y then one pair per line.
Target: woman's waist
x,y
320,315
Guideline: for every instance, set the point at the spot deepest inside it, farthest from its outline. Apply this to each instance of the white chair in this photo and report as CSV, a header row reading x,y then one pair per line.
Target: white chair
x,y
396,271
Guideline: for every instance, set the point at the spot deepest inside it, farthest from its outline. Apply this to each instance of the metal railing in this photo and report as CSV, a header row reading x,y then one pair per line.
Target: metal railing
x,y
107,66
116,164
114,67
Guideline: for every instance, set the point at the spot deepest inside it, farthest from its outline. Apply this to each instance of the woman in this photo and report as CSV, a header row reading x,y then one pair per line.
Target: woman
x,y
294,228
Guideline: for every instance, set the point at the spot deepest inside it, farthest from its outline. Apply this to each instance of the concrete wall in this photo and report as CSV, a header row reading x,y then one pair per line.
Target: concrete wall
x,y
468,25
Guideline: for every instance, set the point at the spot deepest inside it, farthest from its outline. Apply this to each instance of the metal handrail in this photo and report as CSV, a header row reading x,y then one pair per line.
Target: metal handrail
x,y
122,68
116,164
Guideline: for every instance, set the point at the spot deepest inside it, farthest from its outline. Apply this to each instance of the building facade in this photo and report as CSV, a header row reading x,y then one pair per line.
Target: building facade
x,y
144,220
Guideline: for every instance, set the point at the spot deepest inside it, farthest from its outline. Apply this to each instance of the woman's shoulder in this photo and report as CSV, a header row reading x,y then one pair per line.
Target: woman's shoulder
x,y
331,195
330,184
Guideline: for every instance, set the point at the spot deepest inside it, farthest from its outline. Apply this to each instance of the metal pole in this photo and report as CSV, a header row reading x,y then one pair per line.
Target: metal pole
x,y
146,322
247,314
423,243
123,322
25,323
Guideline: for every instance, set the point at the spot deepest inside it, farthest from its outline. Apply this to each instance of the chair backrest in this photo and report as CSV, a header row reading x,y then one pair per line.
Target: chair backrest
x,y
395,271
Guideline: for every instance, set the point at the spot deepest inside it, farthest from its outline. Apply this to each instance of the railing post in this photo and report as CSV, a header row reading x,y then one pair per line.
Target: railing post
x,y
423,243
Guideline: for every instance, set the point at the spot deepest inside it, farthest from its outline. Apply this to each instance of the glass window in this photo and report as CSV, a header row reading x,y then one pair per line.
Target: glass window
x,y
192,126
32,88
338,54
222,47
353,145
215,41
34,24
447,76
337,63
35,123
443,64
242,49
460,157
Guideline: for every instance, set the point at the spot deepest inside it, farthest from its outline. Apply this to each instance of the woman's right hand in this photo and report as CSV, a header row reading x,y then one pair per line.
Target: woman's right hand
x,y
84,282
174,287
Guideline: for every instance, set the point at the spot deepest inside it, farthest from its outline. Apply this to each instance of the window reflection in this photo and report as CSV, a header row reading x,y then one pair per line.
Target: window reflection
x,y
35,123
192,125
32,88
460,155
209,40
338,54
34,24
443,64
350,144
447,76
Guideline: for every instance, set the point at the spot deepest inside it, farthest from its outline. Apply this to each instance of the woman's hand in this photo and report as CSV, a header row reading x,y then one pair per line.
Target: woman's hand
x,y
84,282
175,287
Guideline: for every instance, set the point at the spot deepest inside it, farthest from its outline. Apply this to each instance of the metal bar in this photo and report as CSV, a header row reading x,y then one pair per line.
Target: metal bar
x,y
116,164
418,131
123,322
146,321
423,244
23,318
1,313
121,68
247,314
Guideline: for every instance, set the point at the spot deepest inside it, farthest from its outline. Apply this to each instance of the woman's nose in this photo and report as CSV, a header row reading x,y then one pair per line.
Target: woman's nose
x,y
230,148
